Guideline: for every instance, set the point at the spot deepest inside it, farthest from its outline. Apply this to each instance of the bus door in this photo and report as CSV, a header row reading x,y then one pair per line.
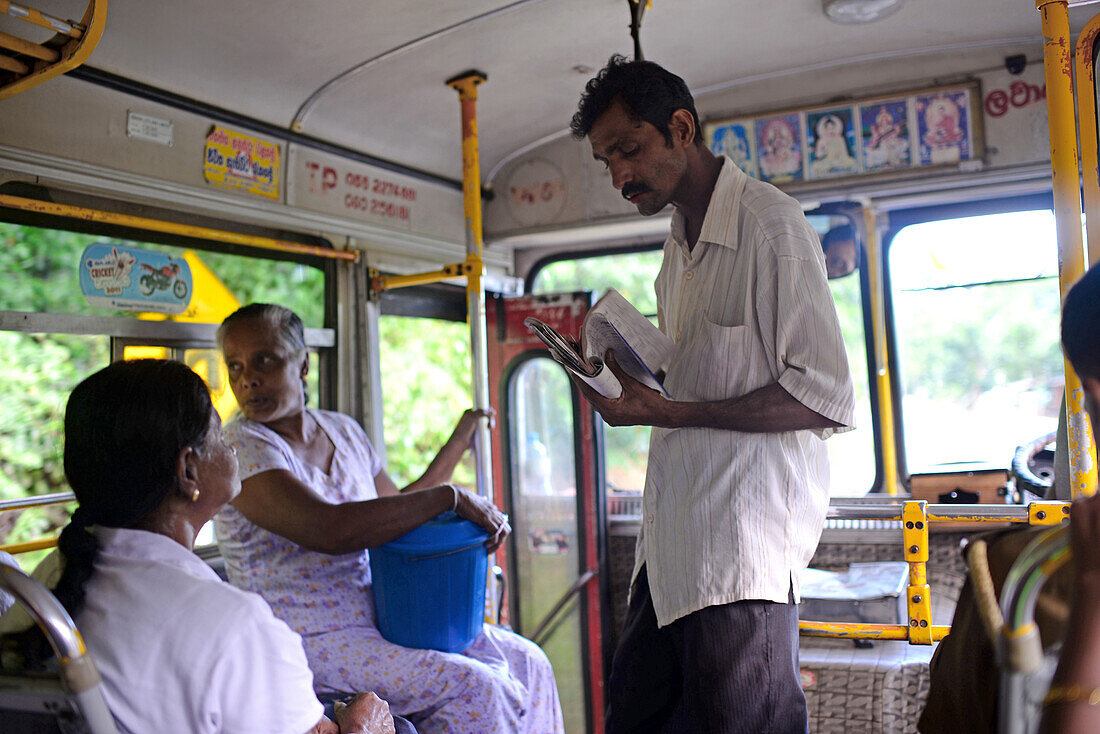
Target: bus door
x,y
545,456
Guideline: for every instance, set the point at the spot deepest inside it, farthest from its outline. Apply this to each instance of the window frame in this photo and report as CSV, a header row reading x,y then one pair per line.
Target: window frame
x,y
898,220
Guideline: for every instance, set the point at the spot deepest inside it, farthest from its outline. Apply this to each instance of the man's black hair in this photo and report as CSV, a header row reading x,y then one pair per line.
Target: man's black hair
x,y
648,91
1081,325
839,233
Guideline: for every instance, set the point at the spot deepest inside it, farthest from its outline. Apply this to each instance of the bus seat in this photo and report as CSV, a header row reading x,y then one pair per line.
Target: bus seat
x,y
67,702
7,601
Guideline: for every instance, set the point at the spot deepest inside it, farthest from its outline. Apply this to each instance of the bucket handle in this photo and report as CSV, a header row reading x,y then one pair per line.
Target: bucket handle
x,y
448,553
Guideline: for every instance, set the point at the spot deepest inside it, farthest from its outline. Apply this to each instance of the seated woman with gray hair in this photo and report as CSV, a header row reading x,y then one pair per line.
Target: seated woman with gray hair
x,y
314,498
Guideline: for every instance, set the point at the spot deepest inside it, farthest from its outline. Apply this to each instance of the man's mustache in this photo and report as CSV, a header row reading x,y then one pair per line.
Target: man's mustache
x,y
632,189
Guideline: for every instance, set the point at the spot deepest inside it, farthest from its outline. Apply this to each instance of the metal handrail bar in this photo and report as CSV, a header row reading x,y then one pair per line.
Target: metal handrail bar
x,y
915,516
1038,561
1019,647
41,500
78,673
952,512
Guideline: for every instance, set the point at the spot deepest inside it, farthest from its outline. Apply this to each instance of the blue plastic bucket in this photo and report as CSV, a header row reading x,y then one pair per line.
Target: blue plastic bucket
x,y
429,585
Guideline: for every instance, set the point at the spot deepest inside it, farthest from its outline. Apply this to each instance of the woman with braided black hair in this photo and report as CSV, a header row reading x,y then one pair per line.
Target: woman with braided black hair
x,y
178,649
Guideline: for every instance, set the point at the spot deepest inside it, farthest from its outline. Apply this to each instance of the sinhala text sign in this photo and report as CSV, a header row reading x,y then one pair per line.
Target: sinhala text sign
x,y
233,160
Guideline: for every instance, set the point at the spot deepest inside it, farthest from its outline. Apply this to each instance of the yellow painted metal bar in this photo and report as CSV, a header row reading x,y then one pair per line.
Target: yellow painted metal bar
x,y
38,18
387,282
28,48
13,65
466,86
916,515
918,602
1047,513
32,545
882,360
73,54
857,630
1086,120
1067,216
186,230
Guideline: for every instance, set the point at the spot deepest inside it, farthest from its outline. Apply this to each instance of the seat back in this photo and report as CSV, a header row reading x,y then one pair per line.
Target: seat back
x,y
70,702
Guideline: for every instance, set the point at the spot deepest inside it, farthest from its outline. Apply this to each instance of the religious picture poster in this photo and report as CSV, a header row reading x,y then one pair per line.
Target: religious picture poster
x,y
943,127
736,139
779,145
885,131
831,142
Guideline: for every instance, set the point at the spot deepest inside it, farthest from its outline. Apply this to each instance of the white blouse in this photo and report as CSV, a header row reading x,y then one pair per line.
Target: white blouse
x,y
180,650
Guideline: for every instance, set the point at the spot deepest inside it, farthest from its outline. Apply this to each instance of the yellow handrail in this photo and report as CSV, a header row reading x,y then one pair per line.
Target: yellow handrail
x,y
74,53
916,516
1086,117
30,545
186,230
881,352
1057,59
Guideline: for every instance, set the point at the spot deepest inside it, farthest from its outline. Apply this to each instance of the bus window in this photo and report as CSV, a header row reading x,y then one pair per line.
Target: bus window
x,y
426,385
851,454
976,313
54,338
632,274
544,517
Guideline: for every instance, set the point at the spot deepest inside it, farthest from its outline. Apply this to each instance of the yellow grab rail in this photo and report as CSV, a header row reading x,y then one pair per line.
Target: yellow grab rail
x,y
916,516
85,36
881,351
186,230
1057,58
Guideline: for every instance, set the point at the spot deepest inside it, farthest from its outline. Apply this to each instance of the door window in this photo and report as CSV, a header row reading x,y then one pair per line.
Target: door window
x,y
544,518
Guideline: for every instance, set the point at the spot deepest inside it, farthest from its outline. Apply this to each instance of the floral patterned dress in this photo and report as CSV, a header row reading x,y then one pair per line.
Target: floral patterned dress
x,y
501,683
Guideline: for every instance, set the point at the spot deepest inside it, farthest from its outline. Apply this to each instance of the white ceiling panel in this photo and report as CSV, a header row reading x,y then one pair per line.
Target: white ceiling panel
x,y
264,59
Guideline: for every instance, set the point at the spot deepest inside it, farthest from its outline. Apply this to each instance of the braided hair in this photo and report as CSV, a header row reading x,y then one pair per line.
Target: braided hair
x,y
125,427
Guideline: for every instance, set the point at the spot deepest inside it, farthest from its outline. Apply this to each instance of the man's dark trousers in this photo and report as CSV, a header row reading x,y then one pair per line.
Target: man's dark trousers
x,y
725,669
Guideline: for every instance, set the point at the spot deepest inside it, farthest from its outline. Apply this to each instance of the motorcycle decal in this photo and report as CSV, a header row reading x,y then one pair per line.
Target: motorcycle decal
x,y
130,279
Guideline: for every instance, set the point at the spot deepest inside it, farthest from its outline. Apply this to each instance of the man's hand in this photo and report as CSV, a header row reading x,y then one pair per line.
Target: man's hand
x,y
364,714
637,406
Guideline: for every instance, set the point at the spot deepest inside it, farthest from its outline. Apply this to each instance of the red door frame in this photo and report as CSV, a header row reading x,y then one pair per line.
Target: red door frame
x,y
509,344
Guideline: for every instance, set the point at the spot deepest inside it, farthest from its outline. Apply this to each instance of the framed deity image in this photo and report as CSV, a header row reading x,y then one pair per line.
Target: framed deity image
x,y
831,142
735,138
779,148
884,130
943,126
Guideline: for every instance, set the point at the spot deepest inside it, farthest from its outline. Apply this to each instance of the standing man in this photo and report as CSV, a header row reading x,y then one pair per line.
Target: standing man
x,y
737,483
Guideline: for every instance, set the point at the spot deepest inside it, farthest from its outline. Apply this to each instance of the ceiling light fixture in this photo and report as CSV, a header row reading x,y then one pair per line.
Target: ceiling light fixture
x,y
850,12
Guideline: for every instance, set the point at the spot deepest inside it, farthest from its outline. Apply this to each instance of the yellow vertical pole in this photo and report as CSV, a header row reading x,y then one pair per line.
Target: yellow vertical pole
x,y
1057,59
466,85
1086,121
882,360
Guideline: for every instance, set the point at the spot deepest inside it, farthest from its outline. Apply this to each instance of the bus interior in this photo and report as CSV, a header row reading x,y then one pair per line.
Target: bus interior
x,y
402,175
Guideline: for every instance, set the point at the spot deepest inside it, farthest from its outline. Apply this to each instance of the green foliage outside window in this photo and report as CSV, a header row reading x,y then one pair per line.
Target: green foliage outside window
x,y
426,386
40,272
